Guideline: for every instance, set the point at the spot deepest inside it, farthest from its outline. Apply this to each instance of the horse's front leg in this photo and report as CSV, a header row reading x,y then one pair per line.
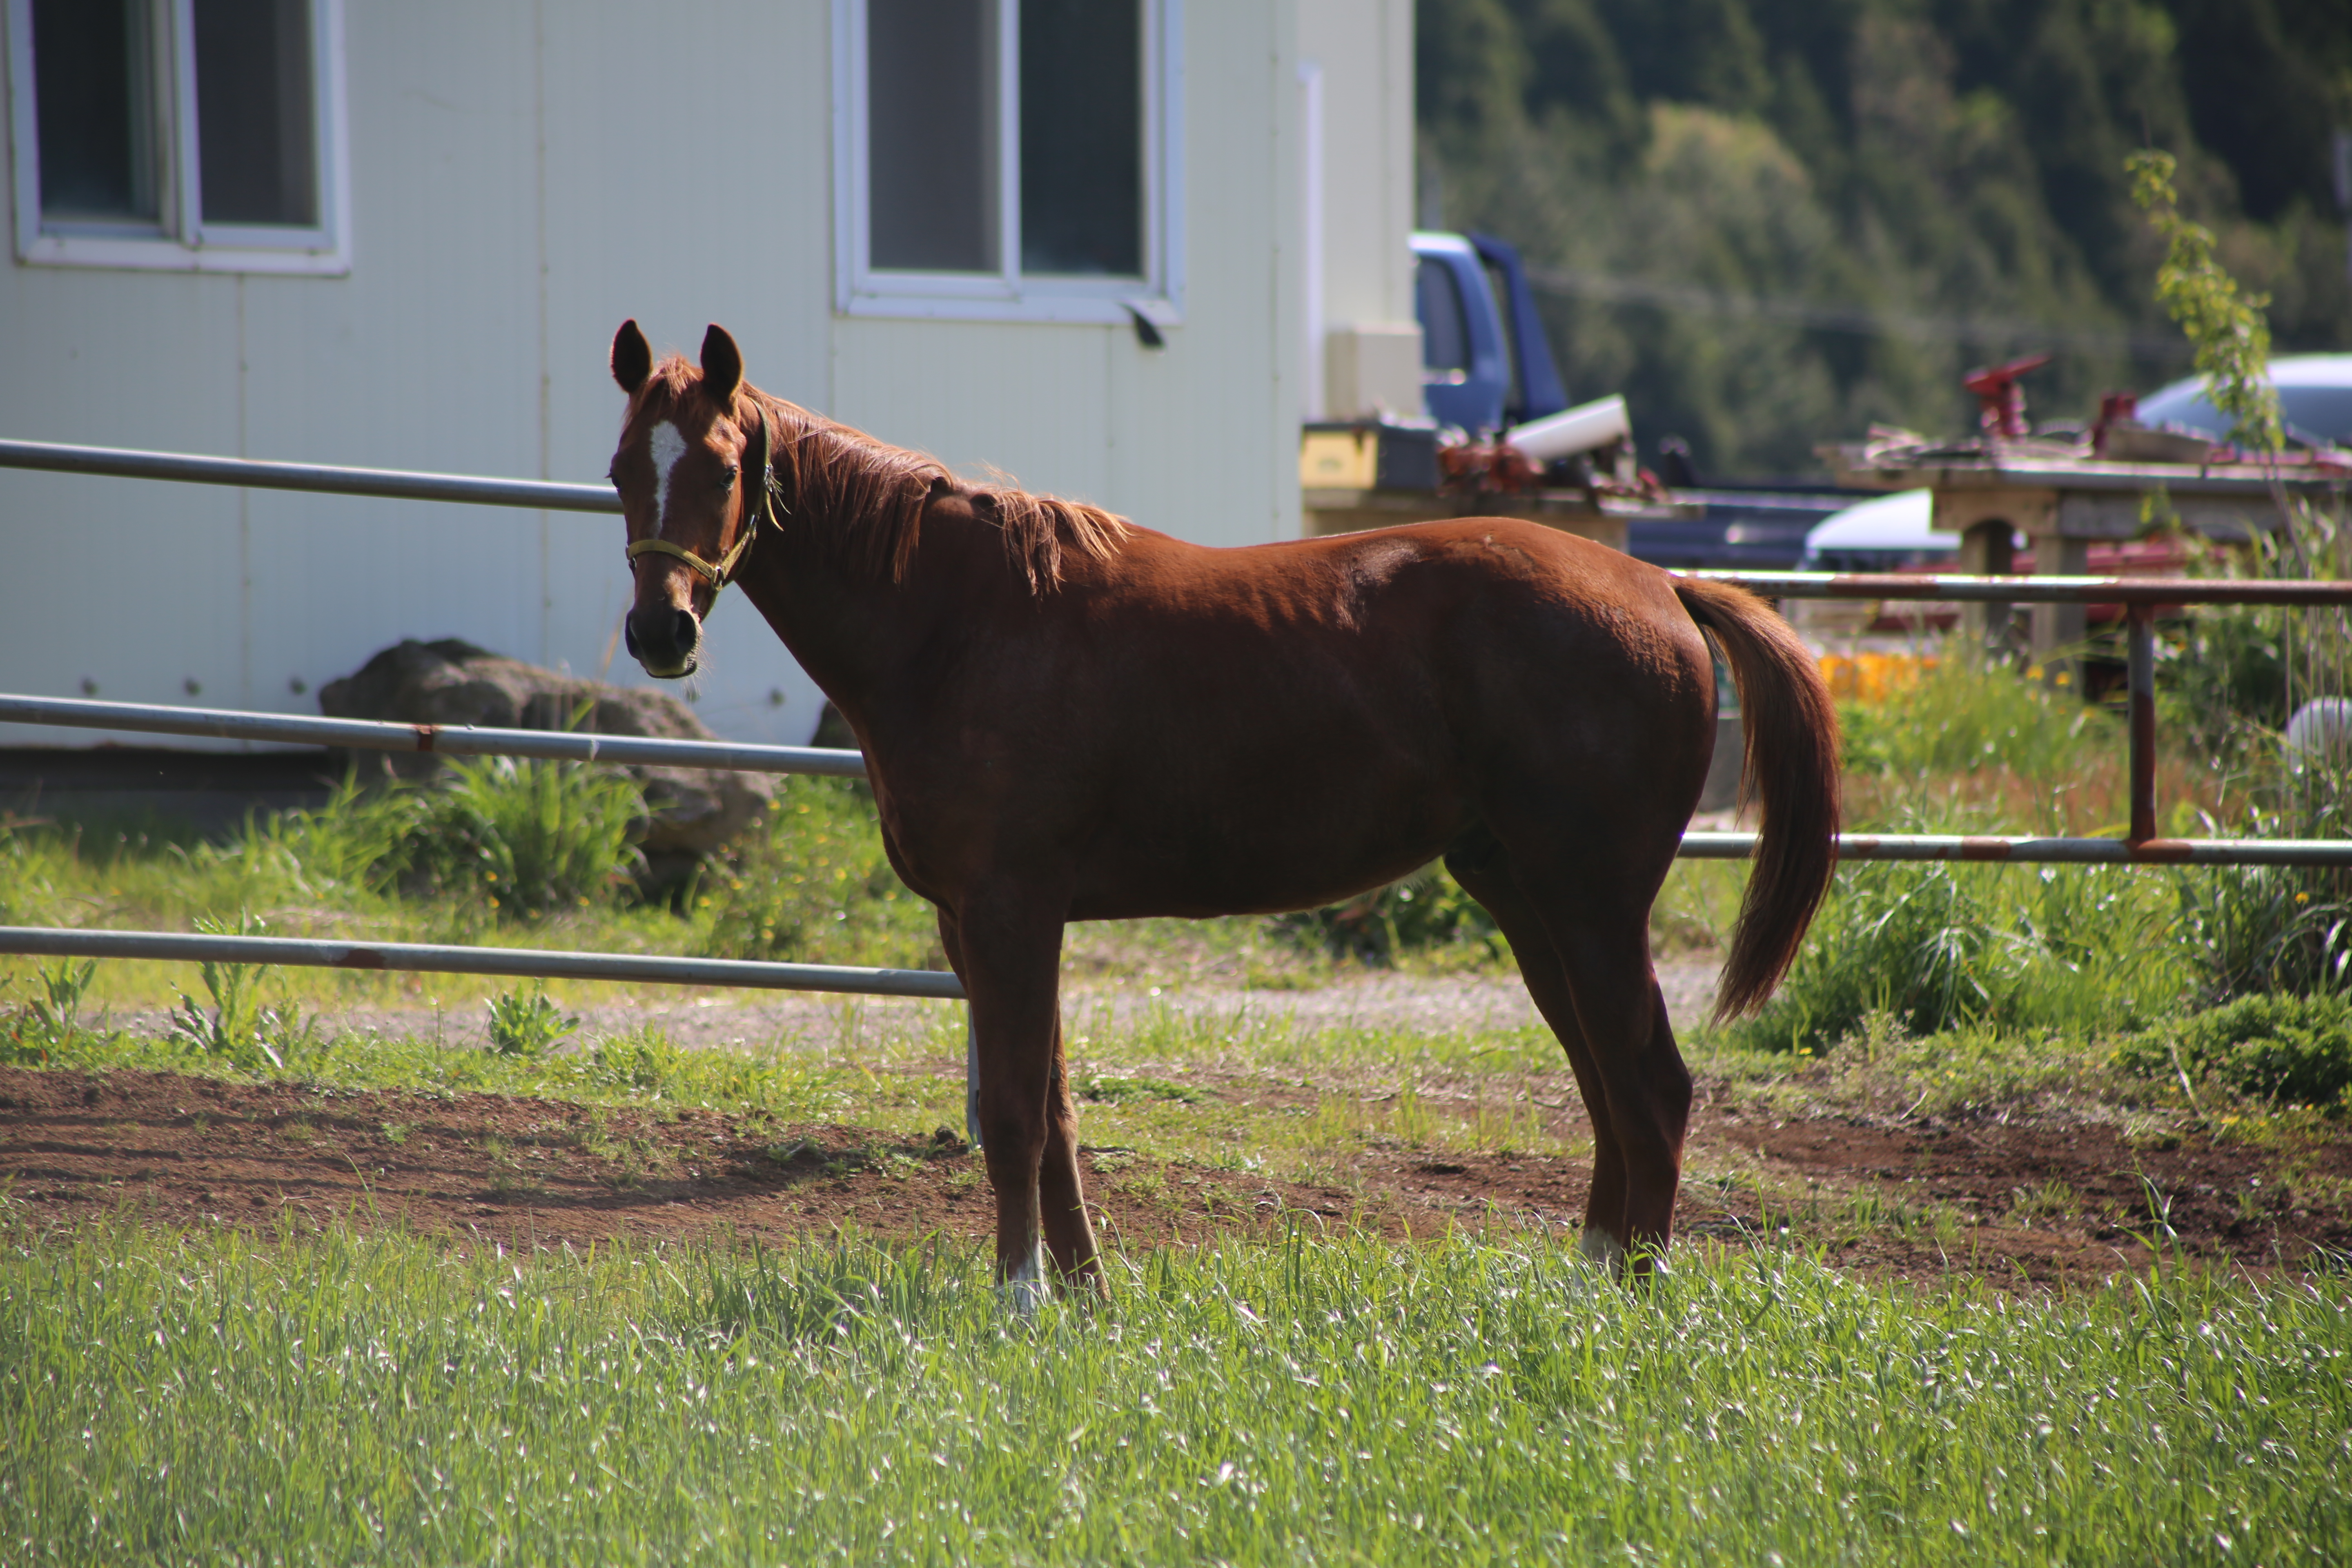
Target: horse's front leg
x,y
1008,951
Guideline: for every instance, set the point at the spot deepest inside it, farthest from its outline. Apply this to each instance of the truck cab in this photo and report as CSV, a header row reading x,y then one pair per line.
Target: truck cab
x,y
1485,365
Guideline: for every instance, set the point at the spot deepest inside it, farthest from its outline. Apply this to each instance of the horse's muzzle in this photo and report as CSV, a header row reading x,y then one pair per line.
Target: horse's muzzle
x,y
664,640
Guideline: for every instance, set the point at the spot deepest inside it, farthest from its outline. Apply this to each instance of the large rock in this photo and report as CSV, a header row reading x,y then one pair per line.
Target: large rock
x,y
694,811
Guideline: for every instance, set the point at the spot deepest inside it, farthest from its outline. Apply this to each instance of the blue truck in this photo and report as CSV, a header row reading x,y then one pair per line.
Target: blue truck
x,y
1486,366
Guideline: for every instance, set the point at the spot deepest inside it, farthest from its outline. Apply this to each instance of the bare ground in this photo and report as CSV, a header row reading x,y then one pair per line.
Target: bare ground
x,y
187,1152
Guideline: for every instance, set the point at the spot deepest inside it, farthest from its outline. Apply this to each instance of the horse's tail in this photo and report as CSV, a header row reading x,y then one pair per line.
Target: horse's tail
x,y
1791,767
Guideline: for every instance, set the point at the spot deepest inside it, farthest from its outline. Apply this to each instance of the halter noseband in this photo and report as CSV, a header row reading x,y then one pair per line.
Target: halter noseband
x,y
759,480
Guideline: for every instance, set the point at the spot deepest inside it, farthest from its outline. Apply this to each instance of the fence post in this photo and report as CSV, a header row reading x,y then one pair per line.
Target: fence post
x,y
2140,620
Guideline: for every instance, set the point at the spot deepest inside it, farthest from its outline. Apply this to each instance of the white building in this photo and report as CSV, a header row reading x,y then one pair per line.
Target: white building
x,y
399,234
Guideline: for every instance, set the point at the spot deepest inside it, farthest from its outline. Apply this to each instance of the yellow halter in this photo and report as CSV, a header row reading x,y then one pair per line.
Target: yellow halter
x,y
757,480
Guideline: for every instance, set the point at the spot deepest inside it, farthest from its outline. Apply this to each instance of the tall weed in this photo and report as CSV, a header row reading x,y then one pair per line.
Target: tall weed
x,y
2254,930
2231,680
48,1018
2222,680
240,1029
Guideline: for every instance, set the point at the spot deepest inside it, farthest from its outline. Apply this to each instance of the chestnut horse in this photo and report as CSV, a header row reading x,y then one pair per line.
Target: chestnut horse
x,y
1067,717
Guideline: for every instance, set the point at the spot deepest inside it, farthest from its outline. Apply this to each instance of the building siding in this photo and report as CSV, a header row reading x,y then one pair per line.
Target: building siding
x,y
524,176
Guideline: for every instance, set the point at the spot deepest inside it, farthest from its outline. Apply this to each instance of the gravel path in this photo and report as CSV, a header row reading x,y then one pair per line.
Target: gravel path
x,y
1434,1004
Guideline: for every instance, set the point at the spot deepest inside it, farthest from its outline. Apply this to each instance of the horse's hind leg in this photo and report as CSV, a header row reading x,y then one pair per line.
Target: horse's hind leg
x,y
1480,866
1061,1189
1594,910
1603,941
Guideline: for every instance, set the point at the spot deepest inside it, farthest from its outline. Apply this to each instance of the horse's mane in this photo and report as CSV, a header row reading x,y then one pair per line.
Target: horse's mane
x,y
859,502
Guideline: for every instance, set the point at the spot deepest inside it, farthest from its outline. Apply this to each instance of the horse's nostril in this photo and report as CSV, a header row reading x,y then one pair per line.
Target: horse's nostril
x,y
662,637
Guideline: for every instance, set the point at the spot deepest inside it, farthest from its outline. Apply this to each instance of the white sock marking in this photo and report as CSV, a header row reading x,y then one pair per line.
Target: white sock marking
x,y
971,1087
1025,1286
667,447
1596,1245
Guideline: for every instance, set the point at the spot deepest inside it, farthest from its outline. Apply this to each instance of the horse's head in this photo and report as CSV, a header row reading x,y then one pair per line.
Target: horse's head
x,y
692,470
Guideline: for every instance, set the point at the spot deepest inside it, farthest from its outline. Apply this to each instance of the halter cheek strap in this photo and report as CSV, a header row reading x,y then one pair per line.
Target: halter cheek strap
x,y
756,481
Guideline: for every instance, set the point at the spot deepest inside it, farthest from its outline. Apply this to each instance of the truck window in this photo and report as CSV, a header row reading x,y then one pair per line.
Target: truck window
x,y
1445,335
1514,395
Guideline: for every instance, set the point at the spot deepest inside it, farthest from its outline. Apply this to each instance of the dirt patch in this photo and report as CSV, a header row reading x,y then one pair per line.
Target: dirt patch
x,y
193,1151
2011,1202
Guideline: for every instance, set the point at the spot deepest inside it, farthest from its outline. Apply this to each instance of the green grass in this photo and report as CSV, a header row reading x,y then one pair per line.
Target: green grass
x,y
340,1398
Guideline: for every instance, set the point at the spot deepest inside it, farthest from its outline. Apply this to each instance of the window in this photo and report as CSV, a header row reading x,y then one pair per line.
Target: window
x,y
1444,334
1007,159
193,134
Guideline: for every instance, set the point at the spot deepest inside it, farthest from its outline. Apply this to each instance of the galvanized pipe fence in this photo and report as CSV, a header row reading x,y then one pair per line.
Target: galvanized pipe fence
x,y
2140,596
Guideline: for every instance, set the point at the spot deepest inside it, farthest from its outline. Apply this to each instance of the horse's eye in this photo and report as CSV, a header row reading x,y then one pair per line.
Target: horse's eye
x,y
726,479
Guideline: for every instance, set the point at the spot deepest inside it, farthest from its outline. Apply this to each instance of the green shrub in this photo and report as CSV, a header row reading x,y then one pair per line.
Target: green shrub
x,y
537,835
1427,910
813,882
2295,1050
519,837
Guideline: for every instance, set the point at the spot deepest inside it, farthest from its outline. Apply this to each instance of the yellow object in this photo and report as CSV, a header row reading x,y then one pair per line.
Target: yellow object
x,y
1339,459
1872,676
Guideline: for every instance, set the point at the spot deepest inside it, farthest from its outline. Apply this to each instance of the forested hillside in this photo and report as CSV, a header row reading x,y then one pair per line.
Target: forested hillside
x,y
1771,222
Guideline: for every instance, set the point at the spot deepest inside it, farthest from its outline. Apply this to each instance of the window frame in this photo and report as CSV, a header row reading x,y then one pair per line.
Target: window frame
x,y
1008,294
179,241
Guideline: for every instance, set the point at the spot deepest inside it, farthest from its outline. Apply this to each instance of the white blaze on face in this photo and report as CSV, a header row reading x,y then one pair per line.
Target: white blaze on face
x,y
667,447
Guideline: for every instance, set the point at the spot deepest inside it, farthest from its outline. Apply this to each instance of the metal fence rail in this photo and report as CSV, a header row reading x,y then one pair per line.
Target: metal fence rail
x,y
427,958
2297,593
2027,849
441,739
399,484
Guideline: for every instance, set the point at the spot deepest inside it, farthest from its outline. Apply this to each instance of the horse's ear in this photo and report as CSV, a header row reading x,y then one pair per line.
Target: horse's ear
x,y
633,357
722,366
